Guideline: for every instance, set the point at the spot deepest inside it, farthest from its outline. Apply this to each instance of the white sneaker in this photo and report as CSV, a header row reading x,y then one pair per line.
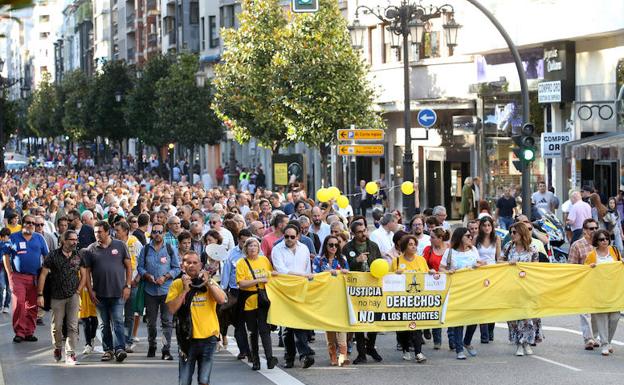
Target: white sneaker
x,y
611,350
5,310
88,349
130,348
420,358
605,350
520,351
136,339
527,350
70,359
407,356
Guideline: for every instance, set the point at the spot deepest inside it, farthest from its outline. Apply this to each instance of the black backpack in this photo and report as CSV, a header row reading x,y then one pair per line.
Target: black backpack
x,y
183,323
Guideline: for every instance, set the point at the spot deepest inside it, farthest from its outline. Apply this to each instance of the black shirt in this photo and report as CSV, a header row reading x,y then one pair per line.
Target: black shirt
x,y
86,236
108,268
140,236
505,206
63,277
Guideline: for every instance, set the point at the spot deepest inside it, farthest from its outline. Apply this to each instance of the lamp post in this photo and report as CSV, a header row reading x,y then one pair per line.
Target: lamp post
x,y
5,84
407,20
171,148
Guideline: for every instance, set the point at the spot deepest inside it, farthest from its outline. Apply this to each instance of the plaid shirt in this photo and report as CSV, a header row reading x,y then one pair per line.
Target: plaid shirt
x,y
171,240
579,251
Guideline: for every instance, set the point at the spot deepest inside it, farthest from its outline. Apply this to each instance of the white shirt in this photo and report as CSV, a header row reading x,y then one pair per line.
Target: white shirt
x,y
423,242
460,259
285,260
228,239
347,212
383,239
323,232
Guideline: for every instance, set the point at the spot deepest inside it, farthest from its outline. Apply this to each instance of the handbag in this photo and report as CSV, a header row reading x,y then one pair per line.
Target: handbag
x,y
232,301
263,298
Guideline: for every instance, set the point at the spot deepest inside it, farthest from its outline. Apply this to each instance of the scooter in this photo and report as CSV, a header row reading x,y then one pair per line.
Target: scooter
x,y
548,223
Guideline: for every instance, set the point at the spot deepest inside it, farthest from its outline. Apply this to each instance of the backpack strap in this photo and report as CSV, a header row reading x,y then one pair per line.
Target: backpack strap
x,y
617,253
252,272
397,267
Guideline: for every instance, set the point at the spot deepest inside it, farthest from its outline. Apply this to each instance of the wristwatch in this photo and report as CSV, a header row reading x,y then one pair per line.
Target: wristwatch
x,y
128,286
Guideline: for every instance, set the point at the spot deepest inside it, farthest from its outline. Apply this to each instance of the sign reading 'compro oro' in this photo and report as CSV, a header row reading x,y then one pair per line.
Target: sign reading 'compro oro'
x,y
403,301
552,143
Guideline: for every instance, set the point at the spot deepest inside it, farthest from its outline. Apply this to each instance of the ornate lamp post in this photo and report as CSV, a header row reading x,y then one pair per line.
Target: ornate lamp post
x,y
407,20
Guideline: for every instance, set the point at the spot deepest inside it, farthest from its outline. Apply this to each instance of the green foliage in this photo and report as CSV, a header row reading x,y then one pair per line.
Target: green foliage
x,y
288,78
252,82
183,113
108,115
140,111
10,117
77,121
45,109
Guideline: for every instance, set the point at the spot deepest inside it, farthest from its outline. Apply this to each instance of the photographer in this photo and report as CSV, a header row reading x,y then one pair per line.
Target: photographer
x,y
197,341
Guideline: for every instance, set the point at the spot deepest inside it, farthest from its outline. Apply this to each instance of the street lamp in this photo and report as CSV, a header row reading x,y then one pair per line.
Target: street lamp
x,y
450,33
405,20
118,96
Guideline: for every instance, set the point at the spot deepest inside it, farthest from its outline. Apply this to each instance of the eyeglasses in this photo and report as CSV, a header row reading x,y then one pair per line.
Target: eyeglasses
x,y
39,224
26,223
290,236
514,232
593,228
602,239
332,245
157,231
214,222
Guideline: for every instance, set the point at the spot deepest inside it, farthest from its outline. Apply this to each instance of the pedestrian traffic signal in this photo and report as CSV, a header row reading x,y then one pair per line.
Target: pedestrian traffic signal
x,y
525,147
305,5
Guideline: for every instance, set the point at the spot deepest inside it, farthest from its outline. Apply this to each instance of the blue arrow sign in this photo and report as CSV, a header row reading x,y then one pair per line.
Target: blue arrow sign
x,y
427,117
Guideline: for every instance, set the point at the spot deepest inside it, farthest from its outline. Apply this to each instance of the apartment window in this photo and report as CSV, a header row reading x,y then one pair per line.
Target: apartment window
x,y
44,18
44,35
202,32
228,16
194,12
43,69
212,32
431,44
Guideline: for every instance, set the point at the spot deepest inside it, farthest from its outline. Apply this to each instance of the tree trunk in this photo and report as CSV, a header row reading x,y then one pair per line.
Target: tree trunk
x,y
324,150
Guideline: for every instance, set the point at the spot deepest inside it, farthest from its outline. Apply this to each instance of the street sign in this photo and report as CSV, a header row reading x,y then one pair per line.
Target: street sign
x,y
360,134
552,143
301,6
427,117
361,150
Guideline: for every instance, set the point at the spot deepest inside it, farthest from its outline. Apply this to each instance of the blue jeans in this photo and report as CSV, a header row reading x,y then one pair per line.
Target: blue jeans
x,y
110,315
487,332
129,316
296,340
460,340
4,285
505,222
200,352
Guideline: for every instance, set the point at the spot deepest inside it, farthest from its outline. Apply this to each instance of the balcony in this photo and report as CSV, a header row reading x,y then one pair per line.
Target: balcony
x,y
152,39
152,5
130,21
172,37
130,54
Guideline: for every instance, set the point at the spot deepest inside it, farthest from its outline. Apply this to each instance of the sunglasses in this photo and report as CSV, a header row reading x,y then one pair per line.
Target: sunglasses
x,y
29,223
213,222
332,245
602,239
133,221
514,232
157,231
39,224
592,228
290,236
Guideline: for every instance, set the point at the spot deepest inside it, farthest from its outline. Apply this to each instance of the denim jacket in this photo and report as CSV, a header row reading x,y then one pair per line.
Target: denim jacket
x,y
158,263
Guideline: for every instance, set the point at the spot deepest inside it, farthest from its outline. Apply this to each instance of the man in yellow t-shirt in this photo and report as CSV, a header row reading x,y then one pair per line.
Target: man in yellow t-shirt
x,y
203,317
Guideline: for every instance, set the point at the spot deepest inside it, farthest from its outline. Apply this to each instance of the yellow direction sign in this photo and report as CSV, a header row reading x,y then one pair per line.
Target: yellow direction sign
x,y
360,134
361,150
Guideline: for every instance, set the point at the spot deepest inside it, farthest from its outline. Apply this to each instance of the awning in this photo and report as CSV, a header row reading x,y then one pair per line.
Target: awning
x,y
210,58
609,146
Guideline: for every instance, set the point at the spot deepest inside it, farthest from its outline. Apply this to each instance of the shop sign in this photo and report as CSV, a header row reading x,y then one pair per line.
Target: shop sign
x,y
549,92
552,143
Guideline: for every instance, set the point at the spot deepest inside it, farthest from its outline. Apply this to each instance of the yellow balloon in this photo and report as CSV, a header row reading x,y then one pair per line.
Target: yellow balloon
x,y
342,201
322,195
379,268
371,188
334,192
407,188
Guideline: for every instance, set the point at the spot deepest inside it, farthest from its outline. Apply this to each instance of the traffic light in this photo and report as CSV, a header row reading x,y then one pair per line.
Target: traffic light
x,y
301,6
525,147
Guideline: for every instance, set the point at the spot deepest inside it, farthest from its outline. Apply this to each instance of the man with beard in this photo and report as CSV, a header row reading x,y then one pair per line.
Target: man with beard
x,y
418,229
319,227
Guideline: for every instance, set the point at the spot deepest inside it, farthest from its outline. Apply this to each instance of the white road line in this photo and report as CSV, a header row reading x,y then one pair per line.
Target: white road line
x,y
556,363
275,375
560,329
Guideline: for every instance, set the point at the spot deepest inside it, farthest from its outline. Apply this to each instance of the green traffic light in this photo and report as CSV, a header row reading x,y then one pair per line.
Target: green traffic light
x,y
528,154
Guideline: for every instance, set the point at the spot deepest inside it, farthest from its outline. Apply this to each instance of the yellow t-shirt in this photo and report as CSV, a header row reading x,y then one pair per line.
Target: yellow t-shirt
x,y
133,248
262,269
203,311
14,228
417,265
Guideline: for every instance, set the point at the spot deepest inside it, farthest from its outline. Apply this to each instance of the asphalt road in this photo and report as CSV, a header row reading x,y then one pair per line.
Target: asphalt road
x,y
560,359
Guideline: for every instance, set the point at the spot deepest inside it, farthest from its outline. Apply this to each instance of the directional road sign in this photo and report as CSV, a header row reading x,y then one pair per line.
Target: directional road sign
x,y
361,150
427,117
361,135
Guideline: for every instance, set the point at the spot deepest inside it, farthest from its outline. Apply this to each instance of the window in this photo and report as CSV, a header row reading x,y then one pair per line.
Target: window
x,y
212,32
228,17
44,18
44,35
431,44
202,33
194,12
43,69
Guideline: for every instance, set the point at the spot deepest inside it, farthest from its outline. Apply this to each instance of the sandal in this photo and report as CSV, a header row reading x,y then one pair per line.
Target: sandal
x,y
107,356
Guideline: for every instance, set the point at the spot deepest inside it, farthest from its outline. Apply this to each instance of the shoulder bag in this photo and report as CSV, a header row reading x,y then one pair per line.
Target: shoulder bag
x,y
263,297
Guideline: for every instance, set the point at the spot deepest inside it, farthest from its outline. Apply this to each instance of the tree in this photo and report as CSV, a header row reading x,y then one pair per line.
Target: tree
x,y
329,86
251,83
109,120
43,113
77,121
183,109
141,113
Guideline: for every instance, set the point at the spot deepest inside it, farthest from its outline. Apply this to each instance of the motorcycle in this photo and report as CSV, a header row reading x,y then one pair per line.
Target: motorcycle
x,y
549,224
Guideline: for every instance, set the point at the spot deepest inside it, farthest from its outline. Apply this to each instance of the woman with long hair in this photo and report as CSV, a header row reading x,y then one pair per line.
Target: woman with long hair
x,y
489,248
606,323
461,255
332,261
433,255
523,333
613,222
252,273
598,209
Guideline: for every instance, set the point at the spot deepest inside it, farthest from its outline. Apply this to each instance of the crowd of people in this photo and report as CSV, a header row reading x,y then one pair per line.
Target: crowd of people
x,y
105,249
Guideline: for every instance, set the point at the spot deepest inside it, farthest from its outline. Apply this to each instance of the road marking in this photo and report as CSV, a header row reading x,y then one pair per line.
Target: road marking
x,y
275,375
556,363
560,329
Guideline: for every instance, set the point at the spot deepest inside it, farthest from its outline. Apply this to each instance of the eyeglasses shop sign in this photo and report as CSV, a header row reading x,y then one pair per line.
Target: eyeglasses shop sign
x,y
552,143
